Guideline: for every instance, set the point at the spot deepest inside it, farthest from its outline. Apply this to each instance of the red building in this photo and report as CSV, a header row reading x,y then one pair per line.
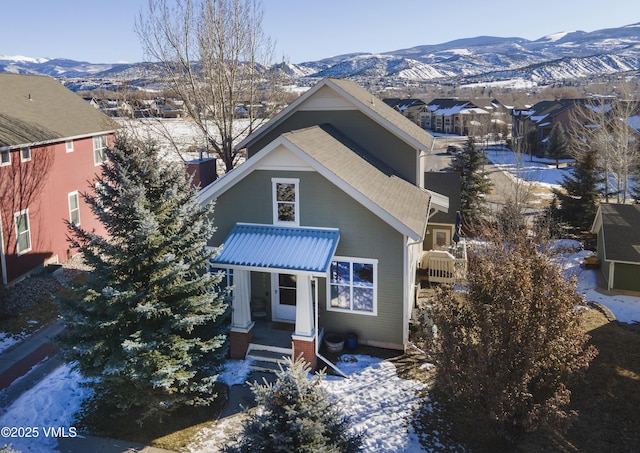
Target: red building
x,y
51,147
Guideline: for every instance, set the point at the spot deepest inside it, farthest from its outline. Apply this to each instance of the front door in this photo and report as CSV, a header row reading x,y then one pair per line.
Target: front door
x,y
283,287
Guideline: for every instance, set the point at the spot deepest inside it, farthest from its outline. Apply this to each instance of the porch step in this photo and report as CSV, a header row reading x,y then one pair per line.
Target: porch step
x,y
267,358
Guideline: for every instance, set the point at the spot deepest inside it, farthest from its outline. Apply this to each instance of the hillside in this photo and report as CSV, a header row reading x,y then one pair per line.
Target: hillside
x,y
553,58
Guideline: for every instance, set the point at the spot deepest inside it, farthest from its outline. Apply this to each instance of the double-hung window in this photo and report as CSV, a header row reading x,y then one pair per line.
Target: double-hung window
x,y
23,233
286,201
99,146
353,285
69,146
74,208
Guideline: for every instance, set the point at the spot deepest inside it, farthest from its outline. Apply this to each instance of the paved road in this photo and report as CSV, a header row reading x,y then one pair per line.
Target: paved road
x,y
504,185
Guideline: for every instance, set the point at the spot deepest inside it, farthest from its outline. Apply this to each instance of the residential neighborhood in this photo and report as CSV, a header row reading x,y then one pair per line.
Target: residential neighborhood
x,y
213,258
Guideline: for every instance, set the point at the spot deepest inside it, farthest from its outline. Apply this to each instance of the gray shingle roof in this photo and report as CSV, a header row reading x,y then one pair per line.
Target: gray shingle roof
x,y
403,201
39,109
621,225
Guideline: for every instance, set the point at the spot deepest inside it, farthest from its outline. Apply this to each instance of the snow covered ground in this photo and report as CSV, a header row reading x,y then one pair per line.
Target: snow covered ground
x,y
378,401
540,171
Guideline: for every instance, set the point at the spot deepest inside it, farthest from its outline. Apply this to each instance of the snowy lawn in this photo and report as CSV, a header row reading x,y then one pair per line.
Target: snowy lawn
x,y
377,401
540,171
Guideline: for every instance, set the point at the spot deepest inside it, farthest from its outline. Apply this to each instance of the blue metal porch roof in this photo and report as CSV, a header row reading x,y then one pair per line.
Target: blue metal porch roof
x,y
281,248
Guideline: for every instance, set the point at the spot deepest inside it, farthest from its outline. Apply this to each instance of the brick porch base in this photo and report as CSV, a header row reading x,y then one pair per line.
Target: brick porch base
x,y
239,343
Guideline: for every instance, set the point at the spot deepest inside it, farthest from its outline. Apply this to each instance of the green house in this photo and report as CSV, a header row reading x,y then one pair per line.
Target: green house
x,y
617,227
322,227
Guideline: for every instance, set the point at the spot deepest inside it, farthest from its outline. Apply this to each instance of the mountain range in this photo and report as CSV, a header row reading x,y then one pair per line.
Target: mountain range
x,y
550,59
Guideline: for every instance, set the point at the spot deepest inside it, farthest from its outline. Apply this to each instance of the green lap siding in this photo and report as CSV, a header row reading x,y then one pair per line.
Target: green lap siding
x,y
362,235
627,277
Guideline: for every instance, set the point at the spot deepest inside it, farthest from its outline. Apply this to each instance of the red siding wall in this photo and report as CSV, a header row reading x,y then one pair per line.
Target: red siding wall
x,y
42,185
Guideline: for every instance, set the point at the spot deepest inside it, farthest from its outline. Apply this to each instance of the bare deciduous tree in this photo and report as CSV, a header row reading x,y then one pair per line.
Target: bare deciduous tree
x,y
210,53
603,124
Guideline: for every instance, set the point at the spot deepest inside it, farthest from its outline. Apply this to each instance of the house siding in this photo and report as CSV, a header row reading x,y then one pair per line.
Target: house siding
x,y
379,142
627,277
362,234
42,186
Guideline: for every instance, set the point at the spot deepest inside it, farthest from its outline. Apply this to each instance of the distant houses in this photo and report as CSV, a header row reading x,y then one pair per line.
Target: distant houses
x,y
477,117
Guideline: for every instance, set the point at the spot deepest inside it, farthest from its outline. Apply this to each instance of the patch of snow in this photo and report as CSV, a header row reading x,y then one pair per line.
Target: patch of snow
x,y
553,37
8,340
53,402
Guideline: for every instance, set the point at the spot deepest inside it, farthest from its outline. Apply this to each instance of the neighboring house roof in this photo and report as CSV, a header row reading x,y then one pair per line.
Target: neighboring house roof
x,y
366,102
448,107
619,224
275,247
448,184
39,109
401,204
401,104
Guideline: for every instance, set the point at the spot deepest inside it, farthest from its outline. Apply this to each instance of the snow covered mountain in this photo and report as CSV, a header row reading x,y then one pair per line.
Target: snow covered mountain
x,y
552,58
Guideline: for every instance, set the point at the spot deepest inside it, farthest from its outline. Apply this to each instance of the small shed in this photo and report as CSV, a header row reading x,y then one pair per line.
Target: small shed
x,y
617,227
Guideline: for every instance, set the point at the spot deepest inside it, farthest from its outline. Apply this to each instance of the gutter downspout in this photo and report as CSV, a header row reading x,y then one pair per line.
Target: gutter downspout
x,y
318,355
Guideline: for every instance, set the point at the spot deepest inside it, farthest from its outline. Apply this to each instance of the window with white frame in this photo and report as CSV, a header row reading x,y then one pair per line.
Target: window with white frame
x,y
5,157
74,208
23,233
352,285
286,201
25,154
99,146
69,146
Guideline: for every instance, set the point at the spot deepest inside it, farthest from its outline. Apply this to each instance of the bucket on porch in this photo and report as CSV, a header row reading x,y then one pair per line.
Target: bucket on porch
x,y
334,342
351,341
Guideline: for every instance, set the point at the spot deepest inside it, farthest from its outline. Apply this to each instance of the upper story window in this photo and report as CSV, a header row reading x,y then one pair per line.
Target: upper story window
x,y
286,199
74,208
69,146
25,154
23,232
353,285
5,157
99,146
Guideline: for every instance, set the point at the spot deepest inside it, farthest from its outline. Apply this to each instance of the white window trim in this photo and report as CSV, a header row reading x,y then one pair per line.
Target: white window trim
x,y
68,148
103,146
74,194
4,164
352,260
22,158
28,231
296,204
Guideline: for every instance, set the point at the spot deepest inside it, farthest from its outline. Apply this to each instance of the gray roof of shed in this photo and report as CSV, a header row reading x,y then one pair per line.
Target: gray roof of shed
x,y
621,226
39,109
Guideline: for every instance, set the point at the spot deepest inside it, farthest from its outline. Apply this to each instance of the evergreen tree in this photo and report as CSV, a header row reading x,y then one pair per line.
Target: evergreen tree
x,y
558,144
295,414
580,192
507,347
475,183
148,323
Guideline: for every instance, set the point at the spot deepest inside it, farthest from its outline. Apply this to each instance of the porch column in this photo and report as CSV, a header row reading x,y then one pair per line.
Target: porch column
x,y
304,307
241,331
240,308
304,336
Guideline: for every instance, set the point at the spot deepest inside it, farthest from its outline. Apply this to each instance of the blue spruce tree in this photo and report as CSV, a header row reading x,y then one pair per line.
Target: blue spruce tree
x,y
148,324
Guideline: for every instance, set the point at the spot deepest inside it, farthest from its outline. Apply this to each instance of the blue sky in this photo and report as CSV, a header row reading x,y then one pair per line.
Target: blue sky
x,y
304,30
